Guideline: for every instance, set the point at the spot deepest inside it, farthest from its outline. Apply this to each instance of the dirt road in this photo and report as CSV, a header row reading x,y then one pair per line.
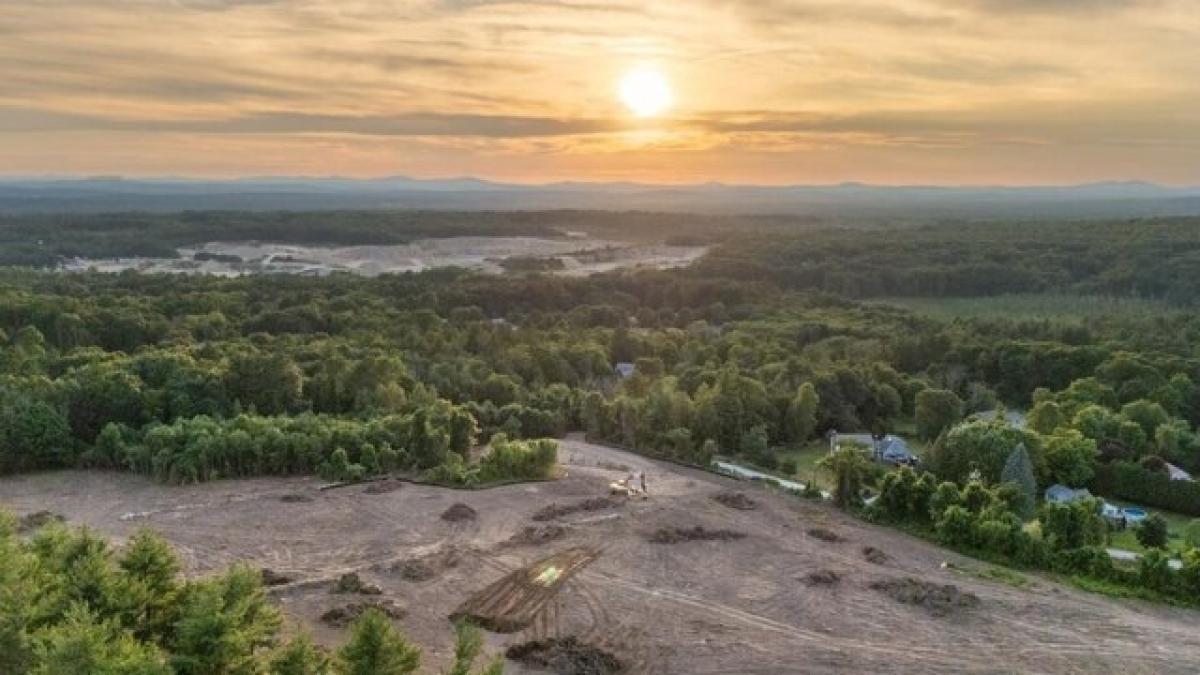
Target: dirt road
x,y
733,605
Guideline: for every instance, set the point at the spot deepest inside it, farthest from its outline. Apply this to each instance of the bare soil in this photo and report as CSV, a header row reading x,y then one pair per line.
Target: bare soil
x,y
735,500
697,608
537,535
554,511
822,578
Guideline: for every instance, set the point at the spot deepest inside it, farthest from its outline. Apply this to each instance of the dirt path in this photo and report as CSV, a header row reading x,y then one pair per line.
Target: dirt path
x,y
738,606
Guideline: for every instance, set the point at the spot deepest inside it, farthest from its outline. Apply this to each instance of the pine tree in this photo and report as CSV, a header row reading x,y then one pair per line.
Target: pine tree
x,y
377,648
1018,470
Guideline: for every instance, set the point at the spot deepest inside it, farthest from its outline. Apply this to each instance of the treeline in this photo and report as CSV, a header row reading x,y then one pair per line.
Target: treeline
x,y
73,605
1065,538
1145,258
718,366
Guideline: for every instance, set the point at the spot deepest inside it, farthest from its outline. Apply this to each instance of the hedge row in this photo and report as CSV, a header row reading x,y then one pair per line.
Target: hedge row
x,y
1125,480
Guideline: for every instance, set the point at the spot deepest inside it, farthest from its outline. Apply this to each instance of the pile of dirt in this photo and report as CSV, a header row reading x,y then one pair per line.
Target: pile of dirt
x,y
675,535
557,511
938,599
351,583
459,512
822,578
427,567
37,520
380,487
340,617
565,656
825,535
295,498
272,578
735,500
874,555
536,535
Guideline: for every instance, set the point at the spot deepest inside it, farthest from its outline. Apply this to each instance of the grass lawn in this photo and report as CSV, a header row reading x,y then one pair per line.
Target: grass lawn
x,y
1176,522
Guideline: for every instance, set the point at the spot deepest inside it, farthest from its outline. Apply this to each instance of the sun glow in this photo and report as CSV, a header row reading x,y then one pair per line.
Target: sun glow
x,y
645,92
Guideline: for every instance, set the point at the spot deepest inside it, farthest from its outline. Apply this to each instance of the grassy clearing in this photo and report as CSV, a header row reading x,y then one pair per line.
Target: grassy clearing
x,y
1176,522
1033,306
1001,575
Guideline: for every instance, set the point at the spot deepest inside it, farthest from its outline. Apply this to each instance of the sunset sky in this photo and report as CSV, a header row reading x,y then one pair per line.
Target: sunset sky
x,y
761,91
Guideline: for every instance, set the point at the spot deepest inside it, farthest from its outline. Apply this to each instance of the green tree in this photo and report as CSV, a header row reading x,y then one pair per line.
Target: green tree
x,y
1070,458
935,411
982,446
849,464
468,645
375,647
82,644
802,413
1152,532
1045,416
300,657
1018,471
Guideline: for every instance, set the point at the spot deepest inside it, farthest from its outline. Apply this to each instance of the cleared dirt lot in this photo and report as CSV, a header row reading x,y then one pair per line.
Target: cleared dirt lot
x,y
762,603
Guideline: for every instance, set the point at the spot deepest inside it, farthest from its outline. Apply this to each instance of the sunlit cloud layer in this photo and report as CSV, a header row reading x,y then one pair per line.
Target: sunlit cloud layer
x,y
765,91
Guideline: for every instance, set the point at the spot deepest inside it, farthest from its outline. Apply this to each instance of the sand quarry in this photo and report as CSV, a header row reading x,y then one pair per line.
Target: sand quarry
x,y
576,256
683,582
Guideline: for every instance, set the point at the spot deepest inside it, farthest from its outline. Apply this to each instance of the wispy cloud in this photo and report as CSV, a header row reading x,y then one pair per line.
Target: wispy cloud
x,y
787,89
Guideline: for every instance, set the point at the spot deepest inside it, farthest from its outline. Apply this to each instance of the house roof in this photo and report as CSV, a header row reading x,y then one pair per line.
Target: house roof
x,y
1062,493
625,369
1178,473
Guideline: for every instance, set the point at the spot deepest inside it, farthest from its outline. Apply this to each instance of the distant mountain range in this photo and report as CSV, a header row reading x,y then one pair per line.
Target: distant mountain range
x,y
847,200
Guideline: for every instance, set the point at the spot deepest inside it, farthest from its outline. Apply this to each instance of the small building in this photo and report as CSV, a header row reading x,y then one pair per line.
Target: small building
x,y
1061,494
624,369
889,449
1177,473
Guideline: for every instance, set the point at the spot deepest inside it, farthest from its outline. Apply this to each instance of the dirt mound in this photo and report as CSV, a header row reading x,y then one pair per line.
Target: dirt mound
x,y
822,578
536,535
874,555
295,498
381,487
735,500
825,535
565,656
675,535
512,603
37,520
351,583
557,511
340,617
459,512
427,567
938,599
272,578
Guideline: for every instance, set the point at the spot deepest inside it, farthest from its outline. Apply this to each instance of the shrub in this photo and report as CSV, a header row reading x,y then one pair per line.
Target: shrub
x,y
945,496
1154,571
1191,533
1074,525
1090,560
1152,532
955,526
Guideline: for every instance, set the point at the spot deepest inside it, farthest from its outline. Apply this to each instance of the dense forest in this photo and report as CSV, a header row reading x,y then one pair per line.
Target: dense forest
x,y
753,353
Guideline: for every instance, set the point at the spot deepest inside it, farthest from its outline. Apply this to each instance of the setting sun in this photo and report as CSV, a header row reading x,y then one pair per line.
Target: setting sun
x,y
645,92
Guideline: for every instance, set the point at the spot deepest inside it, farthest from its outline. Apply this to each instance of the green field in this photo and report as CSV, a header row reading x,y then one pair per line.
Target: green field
x,y
1176,523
